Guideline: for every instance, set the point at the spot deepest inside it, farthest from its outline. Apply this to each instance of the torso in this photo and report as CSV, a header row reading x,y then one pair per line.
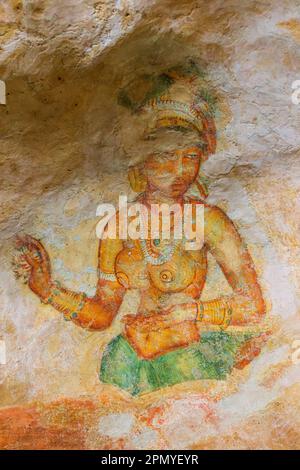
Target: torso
x,y
180,275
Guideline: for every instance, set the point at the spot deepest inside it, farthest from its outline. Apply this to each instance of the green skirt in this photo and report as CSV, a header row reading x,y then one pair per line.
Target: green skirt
x,y
212,357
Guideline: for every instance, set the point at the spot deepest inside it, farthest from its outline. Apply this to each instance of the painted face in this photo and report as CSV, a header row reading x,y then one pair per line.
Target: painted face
x,y
174,162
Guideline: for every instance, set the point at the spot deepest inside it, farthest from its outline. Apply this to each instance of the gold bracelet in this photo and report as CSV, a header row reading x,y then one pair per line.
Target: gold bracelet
x,y
219,313
200,311
68,312
214,312
54,285
68,316
227,317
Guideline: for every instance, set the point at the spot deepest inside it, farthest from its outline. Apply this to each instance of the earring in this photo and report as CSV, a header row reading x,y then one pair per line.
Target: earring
x,y
202,184
137,179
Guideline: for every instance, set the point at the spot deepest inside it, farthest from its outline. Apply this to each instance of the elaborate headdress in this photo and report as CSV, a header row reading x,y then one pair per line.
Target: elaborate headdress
x,y
182,106
175,100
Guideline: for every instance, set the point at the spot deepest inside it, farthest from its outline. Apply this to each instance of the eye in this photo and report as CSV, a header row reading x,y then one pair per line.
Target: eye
x,y
171,156
151,137
164,156
192,155
159,156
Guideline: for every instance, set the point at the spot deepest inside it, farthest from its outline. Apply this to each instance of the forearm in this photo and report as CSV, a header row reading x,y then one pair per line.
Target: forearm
x,y
87,312
182,324
225,311
232,310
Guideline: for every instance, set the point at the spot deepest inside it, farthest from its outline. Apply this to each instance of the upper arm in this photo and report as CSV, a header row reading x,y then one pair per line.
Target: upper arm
x,y
108,285
225,244
107,253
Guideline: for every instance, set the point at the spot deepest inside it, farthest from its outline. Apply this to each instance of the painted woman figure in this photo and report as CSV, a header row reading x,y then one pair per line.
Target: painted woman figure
x,y
169,341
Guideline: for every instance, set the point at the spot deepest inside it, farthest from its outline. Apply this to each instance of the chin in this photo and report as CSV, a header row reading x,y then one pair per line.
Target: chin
x,y
176,192
179,188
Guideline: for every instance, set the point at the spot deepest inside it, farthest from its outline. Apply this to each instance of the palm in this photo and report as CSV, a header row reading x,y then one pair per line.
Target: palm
x,y
35,260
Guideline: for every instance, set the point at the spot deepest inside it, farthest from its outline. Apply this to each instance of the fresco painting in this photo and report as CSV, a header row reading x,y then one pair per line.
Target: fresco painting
x,y
157,346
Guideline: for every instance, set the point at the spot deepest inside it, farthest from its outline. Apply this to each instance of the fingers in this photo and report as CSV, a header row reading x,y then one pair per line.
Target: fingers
x,y
136,320
25,253
21,268
26,241
33,251
41,252
20,262
19,241
35,244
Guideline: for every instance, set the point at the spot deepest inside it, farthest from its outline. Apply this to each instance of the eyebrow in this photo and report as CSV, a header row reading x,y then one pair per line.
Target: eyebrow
x,y
171,130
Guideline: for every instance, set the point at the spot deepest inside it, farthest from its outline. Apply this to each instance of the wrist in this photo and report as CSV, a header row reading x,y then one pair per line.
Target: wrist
x,y
215,312
184,312
47,293
67,302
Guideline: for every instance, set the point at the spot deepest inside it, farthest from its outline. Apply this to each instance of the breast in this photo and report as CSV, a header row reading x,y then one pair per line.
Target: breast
x,y
184,272
175,275
131,268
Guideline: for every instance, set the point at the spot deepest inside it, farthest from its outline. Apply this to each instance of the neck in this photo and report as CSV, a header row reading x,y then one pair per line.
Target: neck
x,y
154,196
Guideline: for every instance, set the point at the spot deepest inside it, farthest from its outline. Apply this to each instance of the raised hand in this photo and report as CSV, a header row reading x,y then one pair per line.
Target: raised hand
x,y
33,264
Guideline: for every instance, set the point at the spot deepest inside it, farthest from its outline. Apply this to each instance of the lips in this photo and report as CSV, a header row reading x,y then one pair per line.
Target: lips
x,y
178,184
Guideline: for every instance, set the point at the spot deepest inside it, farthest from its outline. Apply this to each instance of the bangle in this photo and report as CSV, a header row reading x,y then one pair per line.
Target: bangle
x,y
227,316
68,316
70,304
200,311
107,276
54,290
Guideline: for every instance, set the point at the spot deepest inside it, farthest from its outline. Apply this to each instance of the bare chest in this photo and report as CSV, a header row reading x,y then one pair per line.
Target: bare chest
x,y
161,265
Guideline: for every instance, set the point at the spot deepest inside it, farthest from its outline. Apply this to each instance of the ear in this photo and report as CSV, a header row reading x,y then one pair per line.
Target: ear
x,y
137,179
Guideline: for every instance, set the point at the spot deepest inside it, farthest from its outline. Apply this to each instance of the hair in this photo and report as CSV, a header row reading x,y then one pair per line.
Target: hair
x,y
157,86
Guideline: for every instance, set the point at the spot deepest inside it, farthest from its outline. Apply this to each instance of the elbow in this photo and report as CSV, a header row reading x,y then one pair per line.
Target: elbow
x,y
105,321
95,316
98,324
257,305
259,309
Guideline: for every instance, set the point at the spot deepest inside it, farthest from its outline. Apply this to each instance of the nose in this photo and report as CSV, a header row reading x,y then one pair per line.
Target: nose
x,y
178,163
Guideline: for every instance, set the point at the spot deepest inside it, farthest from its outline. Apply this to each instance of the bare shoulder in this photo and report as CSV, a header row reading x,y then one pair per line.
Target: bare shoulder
x,y
213,214
214,217
217,224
